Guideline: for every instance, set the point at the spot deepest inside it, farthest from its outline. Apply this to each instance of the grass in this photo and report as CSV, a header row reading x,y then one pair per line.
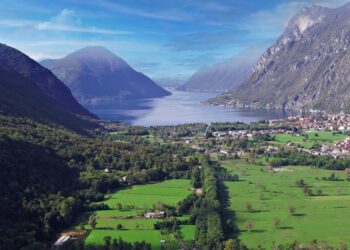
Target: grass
x,y
324,218
152,139
324,137
128,224
137,228
188,232
145,196
150,236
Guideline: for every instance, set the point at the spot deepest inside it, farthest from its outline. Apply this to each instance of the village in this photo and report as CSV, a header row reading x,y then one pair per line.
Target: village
x,y
316,122
297,126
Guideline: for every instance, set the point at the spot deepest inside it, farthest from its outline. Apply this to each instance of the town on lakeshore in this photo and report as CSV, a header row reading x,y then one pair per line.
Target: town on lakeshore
x,y
300,126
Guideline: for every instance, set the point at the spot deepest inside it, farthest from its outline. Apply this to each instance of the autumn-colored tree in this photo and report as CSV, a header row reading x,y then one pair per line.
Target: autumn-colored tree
x,y
261,195
276,222
92,221
249,225
229,245
248,207
291,209
343,246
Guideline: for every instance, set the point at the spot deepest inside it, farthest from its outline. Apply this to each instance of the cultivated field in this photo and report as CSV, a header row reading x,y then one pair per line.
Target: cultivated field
x,y
135,201
263,202
145,196
324,137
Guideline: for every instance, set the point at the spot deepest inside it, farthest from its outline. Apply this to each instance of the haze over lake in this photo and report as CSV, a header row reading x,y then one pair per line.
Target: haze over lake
x,y
181,107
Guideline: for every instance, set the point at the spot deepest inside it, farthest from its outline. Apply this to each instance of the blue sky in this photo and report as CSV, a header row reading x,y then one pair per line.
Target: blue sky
x,y
164,38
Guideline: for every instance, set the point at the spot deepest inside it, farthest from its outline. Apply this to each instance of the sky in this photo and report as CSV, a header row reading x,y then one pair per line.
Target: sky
x,y
164,38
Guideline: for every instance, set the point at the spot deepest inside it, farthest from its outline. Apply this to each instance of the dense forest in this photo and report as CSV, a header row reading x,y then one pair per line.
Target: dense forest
x,y
50,174
295,158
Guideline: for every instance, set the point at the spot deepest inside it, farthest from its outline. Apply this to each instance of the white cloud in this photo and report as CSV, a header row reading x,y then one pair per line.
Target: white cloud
x,y
68,21
170,14
41,55
17,23
277,18
120,45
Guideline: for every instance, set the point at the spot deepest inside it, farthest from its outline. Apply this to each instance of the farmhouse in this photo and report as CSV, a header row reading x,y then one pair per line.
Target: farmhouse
x,y
159,214
62,240
225,152
219,134
272,149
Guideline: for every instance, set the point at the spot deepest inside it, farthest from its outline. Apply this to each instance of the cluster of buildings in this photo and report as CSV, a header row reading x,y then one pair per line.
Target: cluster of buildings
x,y
338,149
319,122
291,125
243,134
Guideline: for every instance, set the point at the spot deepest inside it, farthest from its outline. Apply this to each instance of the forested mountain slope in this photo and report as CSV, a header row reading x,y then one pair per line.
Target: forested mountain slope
x,y
16,62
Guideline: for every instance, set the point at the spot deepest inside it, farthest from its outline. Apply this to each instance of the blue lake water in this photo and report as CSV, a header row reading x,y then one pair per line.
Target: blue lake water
x,y
179,108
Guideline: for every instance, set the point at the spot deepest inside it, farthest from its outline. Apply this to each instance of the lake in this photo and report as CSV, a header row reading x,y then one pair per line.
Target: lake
x,y
181,107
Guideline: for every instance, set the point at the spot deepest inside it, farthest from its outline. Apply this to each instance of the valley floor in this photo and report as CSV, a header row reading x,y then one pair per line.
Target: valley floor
x,y
135,201
262,201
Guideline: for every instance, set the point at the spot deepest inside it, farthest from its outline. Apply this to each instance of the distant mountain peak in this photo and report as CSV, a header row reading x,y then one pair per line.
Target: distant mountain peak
x,y
97,54
29,90
93,51
14,60
306,18
96,75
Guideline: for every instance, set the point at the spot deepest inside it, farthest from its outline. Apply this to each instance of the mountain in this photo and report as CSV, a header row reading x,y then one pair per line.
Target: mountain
x,y
95,75
29,90
169,82
16,62
307,68
220,77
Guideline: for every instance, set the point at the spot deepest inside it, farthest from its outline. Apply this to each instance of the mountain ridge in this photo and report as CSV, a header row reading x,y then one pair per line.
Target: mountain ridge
x,y
221,76
306,68
96,75
31,91
14,60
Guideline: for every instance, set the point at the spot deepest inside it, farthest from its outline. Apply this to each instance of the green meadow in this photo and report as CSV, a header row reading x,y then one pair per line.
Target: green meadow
x,y
138,199
323,216
145,196
324,137
150,236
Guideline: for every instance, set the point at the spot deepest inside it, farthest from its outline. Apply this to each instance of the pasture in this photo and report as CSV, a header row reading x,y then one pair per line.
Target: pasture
x,y
135,201
262,201
145,196
324,137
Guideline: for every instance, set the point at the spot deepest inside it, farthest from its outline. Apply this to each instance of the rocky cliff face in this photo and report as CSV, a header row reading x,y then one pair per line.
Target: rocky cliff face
x,y
95,75
307,68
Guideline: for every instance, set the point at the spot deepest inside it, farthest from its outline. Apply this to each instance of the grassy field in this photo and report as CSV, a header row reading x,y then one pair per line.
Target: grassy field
x,y
137,228
188,232
145,196
150,236
322,217
324,137
152,139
